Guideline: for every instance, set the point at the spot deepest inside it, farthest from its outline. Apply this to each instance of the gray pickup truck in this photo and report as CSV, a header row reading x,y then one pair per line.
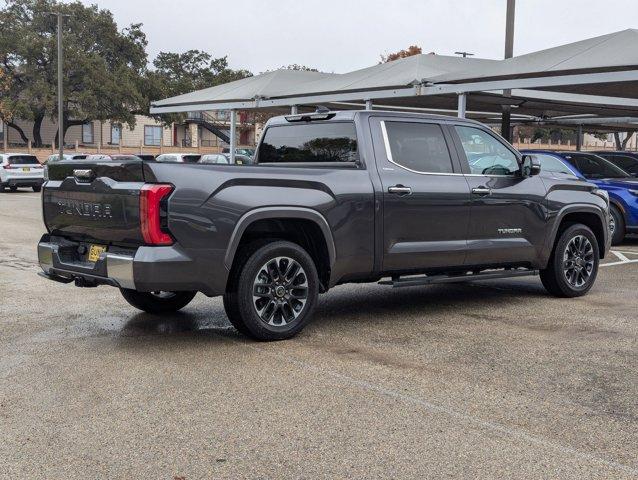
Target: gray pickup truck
x,y
332,197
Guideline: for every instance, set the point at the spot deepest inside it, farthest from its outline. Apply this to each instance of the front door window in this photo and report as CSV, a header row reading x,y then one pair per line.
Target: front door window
x,y
485,154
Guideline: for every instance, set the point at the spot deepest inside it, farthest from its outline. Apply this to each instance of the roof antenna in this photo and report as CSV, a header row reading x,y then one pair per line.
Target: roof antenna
x,y
322,109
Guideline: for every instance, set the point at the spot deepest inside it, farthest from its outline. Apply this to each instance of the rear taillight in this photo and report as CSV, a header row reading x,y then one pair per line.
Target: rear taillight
x,y
151,196
7,167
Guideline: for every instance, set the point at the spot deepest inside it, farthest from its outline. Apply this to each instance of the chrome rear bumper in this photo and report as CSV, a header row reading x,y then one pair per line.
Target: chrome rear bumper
x,y
111,268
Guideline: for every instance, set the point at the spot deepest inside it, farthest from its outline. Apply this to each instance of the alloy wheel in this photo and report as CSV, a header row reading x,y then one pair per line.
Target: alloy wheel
x,y
578,261
280,291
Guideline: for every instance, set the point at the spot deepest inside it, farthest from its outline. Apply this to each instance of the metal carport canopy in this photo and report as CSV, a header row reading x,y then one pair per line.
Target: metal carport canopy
x,y
600,73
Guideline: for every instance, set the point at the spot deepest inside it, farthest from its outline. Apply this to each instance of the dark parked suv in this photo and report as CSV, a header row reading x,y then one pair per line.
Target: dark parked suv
x,y
333,197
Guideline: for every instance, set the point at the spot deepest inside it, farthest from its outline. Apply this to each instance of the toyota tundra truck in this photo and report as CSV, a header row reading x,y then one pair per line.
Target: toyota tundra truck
x,y
401,199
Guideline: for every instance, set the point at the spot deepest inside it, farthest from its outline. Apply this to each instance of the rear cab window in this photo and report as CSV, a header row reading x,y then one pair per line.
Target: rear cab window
x,y
23,160
315,143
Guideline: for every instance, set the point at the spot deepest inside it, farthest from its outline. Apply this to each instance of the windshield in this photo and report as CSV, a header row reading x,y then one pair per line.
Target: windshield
x,y
594,167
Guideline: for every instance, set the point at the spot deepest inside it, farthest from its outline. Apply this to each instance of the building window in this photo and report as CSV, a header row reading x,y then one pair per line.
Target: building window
x,y
87,133
116,133
152,135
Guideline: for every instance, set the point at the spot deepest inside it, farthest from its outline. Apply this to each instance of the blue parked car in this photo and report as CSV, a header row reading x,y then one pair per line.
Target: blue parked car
x,y
620,185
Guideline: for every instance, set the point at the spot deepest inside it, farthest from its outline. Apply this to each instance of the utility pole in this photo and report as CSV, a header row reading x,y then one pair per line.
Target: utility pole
x,y
509,53
60,86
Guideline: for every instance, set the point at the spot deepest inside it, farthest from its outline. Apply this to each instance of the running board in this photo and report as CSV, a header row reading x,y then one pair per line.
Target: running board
x,y
397,282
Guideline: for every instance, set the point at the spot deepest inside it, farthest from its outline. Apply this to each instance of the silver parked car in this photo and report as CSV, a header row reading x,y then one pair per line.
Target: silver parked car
x,y
66,156
224,159
178,158
20,170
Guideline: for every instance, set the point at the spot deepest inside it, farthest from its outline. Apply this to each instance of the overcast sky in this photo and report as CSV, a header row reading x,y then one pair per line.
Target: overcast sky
x,y
344,35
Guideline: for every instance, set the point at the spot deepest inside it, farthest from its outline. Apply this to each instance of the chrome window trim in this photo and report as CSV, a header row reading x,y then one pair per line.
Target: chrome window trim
x,y
386,143
388,152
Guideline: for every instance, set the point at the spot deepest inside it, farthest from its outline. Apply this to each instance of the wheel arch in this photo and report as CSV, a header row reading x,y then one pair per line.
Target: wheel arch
x,y
588,215
281,214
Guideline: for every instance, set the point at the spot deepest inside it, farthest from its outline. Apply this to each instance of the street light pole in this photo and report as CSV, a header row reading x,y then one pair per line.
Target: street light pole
x,y
509,53
60,97
60,85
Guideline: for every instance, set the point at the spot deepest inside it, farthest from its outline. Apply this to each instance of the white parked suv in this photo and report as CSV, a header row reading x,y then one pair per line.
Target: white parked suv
x,y
20,170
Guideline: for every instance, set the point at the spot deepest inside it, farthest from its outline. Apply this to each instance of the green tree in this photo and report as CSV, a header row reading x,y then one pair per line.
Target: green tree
x,y
103,66
177,73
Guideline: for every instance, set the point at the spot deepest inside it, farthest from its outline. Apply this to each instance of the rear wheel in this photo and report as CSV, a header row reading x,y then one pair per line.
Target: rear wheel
x,y
37,188
157,302
13,188
573,266
274,293
616,225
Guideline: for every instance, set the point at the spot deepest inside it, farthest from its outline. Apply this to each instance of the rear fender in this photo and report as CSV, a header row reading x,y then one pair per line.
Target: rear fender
x,y
273,213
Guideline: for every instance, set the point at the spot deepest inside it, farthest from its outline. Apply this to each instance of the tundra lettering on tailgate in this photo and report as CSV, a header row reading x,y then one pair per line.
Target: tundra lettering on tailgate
x,y
85,209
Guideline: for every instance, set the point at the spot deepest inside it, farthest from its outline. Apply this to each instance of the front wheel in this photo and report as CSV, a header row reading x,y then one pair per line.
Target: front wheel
x,y
37,188
573,265
616,225
274,293
157,302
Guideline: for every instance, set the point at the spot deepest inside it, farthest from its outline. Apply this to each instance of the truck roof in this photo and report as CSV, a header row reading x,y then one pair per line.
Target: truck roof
x,y
350,115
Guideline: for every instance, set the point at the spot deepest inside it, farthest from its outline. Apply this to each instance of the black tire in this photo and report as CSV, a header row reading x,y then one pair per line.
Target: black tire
x,y
2,187
618,225
562,276
293,304
13,188
37,188
157,302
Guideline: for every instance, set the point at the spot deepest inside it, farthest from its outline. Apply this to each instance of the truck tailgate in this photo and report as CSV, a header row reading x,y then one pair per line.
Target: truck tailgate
x,y
97,202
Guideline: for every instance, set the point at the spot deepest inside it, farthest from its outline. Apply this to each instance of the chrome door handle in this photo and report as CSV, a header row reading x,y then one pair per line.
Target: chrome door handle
x,y
400,190
481,191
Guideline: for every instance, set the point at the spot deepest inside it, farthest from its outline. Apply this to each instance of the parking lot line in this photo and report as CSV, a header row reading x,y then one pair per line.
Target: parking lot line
x,y
623,259
433,407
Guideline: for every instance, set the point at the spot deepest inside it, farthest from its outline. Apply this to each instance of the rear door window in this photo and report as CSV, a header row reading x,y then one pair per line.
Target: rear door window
x,y
628,164
418,147
191,158
334,142
23,160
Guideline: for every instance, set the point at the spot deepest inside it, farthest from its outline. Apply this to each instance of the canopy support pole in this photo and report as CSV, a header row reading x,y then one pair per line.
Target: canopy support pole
x,y
579,138
294,109
233,135
369,104
462,105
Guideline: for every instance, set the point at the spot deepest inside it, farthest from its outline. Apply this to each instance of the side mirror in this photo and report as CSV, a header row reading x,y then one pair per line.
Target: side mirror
x,y
530,166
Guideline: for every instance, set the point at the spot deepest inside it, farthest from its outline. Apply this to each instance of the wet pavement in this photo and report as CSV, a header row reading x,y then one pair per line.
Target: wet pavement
x,y
486,380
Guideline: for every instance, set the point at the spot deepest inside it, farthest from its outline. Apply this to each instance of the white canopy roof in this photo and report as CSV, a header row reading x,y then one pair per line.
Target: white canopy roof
x,y
592,71
614,51
263,85
405,72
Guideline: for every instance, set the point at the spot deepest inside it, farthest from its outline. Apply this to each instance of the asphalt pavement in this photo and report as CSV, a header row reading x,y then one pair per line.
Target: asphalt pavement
x,y
486,380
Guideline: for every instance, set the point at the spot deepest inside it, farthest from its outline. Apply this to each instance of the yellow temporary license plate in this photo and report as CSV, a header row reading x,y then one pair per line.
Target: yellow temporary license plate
x,y
26,169
94,252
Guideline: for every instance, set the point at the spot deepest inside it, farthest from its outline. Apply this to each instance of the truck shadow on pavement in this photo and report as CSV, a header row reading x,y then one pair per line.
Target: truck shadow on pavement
x,y
360,305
